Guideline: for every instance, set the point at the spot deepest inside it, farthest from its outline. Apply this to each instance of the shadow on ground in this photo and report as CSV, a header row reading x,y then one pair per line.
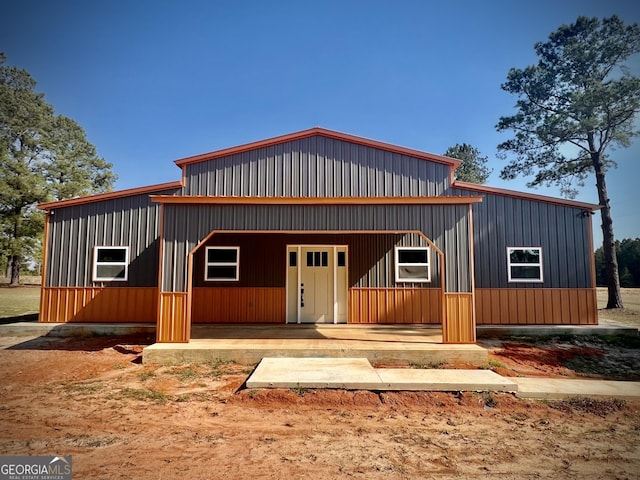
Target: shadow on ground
x,y
121,343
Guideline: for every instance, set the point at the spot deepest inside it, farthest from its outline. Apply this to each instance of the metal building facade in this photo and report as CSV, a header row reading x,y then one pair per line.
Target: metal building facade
x,y
319,187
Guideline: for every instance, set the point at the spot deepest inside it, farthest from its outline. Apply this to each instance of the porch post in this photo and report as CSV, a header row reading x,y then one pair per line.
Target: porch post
x,y
459,322
174,322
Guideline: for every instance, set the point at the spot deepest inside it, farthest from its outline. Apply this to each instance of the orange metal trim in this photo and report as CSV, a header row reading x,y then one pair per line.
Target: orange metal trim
x,y
109,195
45,258
472,272
529,196
592,255
202,200
322,132
160,272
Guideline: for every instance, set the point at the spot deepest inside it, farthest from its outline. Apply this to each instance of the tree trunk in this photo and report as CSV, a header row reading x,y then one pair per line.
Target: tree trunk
x,y
15,271
614,298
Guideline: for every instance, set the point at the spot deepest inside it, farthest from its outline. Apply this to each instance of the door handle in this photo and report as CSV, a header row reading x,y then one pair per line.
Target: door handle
x,y
302,294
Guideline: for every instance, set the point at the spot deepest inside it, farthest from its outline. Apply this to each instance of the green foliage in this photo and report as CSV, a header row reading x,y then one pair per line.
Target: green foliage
x,y
628,251
43,157
578,100
473,168
576,103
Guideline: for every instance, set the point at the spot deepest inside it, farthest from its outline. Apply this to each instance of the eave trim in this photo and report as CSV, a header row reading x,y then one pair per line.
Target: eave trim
x,y
109,195
202,200
525,196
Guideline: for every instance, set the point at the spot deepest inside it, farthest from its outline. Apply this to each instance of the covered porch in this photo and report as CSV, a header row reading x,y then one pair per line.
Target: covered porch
x,y
380,344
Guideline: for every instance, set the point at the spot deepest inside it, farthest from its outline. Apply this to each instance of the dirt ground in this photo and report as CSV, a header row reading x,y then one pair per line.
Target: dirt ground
x,y
93,399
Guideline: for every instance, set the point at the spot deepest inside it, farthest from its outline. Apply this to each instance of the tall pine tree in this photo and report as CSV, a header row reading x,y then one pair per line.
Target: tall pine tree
x,y
43,157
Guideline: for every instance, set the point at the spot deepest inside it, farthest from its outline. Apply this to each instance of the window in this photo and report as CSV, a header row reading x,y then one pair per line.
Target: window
x,y
222,264
524,264
412,264
110,264
317,259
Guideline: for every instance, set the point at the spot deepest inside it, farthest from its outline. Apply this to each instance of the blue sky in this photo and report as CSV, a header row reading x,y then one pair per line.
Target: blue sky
x,y
155,81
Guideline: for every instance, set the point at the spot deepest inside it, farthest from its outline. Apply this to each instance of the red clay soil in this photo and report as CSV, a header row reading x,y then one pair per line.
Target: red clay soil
x,y
92,399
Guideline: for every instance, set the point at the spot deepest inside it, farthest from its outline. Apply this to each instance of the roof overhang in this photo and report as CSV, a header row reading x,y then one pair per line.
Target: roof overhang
x,y
109,195
324,133
525,196
202,200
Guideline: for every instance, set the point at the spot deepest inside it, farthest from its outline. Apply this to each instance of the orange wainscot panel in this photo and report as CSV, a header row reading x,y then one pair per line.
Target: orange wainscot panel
x,y
238,305
98,304
540,306
394,305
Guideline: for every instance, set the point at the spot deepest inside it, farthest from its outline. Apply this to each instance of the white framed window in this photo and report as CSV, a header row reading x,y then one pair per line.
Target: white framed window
x,y
524,264
413,264
110,264
222,264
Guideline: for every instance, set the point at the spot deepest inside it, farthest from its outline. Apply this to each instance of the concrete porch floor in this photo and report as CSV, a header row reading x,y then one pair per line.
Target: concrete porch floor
x,y
380,344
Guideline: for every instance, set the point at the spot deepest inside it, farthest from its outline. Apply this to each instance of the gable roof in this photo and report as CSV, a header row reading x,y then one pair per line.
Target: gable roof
x,y
323,132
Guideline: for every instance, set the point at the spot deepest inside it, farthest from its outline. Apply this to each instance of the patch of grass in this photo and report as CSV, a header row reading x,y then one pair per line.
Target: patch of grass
x,y
144,376
217,367
298,390
491,364
185,374
85,388
435,364
19,301
599,407
252,393
489,400
144,394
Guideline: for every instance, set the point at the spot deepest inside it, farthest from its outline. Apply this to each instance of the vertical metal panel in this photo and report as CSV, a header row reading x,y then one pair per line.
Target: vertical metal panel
x,y
562,232
317,166
445,225
129,221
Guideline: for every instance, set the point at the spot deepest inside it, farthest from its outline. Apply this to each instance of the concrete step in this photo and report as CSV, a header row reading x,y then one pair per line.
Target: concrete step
x,y
358,374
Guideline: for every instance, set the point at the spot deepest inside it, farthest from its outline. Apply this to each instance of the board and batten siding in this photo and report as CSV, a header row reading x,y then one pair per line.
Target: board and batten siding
x,y
317,166
445,225
74,231
562,231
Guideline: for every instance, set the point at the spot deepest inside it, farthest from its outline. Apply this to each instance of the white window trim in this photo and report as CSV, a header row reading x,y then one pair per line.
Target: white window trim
x,y
125,264
413,280
208,264
524,280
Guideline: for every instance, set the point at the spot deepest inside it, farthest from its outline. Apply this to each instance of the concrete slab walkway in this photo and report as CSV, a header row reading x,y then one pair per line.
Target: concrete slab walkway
x,y
358,374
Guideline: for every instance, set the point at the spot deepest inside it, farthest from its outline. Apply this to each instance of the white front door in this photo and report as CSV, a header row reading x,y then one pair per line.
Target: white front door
x,y
317,284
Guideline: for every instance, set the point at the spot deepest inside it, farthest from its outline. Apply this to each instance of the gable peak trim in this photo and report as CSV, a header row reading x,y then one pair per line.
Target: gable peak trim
x,y
323,132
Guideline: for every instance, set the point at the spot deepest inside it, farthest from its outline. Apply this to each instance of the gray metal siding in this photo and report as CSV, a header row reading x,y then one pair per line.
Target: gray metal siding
x,y
131,221
562,231
445,225
317,167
